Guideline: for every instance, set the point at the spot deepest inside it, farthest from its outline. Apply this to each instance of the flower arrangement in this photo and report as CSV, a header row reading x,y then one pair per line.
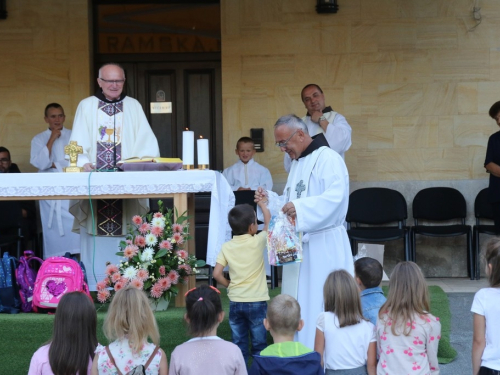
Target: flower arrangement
x,y
154,257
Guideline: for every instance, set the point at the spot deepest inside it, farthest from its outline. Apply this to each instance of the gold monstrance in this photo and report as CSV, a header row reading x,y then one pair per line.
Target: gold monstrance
x,y
73,150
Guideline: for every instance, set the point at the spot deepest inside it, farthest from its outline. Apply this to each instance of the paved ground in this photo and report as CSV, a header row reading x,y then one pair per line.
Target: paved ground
x,y
461,334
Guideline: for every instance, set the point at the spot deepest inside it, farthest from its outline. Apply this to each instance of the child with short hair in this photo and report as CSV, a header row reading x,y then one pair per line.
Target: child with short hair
x,y
285,356
205,353
407,333
71,348
128,324
247,174
344,339
247,289
369,273
486,341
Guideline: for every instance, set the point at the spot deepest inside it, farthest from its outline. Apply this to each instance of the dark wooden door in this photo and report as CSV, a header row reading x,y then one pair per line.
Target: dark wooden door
x,y
194,89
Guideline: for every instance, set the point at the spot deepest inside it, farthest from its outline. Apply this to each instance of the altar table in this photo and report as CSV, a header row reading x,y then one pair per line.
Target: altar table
x,y
180,185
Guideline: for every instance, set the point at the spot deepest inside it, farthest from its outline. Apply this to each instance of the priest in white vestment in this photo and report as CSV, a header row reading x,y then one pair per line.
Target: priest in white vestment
x,y
317,196
110,127
47,154
323,119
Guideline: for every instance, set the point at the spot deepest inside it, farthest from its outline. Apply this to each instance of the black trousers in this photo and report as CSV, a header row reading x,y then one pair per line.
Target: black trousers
x,y
487,371
496,214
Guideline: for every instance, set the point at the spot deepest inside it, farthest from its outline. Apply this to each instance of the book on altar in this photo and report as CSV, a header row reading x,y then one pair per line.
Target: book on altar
x,y
284,245
149,163
151,159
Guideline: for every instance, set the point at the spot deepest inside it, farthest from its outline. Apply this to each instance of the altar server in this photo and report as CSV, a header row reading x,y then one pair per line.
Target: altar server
x,y
316,196
47,154
110,126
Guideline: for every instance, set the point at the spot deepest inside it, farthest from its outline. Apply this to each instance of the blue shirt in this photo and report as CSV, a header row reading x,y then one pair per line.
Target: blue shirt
x,y
371,301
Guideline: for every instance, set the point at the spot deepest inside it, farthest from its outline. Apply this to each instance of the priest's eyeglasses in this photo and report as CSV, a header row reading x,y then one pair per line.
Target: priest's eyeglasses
x,y
284,143
117,81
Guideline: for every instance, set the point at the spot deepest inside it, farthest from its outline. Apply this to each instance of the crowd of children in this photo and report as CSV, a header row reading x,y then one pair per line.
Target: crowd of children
x,y
360,331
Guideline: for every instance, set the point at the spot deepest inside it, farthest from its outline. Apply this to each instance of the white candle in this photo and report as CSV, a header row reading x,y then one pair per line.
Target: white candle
x,y
203,158
187,147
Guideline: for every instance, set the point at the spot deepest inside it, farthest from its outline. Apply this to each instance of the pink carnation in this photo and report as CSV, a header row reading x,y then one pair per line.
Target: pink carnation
x,y
130,251
119,285
157,231
103,295
102,285
173,276
137,220
165,245
144,228
142,274
140,241
128,242
158,214
116,277
111,269
137,283
177,228
178,238
165,283
182,254
156,291
123,280
185,267
162,270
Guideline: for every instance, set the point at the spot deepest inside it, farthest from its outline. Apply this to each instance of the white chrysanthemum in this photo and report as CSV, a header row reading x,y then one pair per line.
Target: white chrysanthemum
x,y
147,255
158,222
151,239
130,272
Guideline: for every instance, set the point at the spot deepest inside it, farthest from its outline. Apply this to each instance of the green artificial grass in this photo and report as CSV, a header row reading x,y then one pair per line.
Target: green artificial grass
x,y
22,334
440,307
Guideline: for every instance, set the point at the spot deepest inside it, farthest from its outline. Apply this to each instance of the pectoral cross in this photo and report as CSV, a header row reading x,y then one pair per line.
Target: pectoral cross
x,y
300,188
73,150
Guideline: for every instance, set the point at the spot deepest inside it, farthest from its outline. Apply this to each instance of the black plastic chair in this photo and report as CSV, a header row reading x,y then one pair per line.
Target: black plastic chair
x,y
11,225
442,204
376,208
482,210
247,196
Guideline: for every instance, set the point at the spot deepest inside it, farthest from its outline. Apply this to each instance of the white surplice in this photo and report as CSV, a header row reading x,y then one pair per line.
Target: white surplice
x,y
57,222
338,133
323,181
250,175
137,140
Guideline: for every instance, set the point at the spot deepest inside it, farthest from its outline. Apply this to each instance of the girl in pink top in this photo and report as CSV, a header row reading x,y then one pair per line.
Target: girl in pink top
x,y
407,334
206,353
71,349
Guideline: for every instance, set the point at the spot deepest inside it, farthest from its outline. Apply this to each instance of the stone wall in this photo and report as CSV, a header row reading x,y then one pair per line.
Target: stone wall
x,y
45,58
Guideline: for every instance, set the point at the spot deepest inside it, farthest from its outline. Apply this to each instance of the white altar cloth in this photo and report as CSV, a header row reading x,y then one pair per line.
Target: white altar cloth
x,y
16,186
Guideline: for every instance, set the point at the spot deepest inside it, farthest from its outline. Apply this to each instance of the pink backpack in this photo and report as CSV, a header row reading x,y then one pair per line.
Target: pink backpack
x,y
56,277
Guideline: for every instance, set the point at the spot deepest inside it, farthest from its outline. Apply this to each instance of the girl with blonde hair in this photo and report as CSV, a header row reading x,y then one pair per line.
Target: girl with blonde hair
x,y
345,340
407,334
129,323
486,309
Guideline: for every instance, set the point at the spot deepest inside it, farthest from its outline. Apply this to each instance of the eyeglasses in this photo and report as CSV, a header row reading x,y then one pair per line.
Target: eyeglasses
x,y
283,144
213,288
4,160
117,81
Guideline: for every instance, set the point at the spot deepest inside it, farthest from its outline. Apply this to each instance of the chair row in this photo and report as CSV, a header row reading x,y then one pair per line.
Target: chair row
x,y
379,215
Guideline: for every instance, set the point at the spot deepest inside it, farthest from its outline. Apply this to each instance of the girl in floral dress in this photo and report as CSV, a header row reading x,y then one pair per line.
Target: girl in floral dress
x,y
129,323
407,334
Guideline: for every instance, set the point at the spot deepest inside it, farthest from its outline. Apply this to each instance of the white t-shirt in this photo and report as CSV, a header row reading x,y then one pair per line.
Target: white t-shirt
x,y
346,347
486,304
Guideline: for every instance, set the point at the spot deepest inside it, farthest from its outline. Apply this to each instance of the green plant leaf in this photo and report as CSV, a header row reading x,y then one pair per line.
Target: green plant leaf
x,y
161,253
200,263
119,253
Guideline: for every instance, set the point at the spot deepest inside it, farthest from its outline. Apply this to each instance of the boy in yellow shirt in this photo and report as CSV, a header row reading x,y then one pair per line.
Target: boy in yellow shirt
x,y
247,290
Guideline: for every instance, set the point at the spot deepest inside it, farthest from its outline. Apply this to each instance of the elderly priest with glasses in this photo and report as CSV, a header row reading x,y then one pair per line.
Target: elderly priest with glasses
x,y
316,195
110,126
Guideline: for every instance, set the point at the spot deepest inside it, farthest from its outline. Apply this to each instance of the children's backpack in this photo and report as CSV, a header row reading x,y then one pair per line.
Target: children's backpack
x,y
9,292
82,266
25,276
56,277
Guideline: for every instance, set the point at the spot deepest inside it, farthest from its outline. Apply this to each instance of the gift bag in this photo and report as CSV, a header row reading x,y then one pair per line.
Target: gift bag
x,y
373,251
284,245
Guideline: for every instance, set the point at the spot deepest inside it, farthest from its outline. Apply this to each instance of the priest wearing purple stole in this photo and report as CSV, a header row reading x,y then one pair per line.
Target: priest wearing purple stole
x,y
316,195
110,126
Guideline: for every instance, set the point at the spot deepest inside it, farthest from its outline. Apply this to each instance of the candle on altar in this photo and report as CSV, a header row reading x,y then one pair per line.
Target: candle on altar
x,y
203,158
188,147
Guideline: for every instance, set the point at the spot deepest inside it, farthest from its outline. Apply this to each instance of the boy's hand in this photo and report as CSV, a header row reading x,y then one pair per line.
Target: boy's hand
x,y
260,194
